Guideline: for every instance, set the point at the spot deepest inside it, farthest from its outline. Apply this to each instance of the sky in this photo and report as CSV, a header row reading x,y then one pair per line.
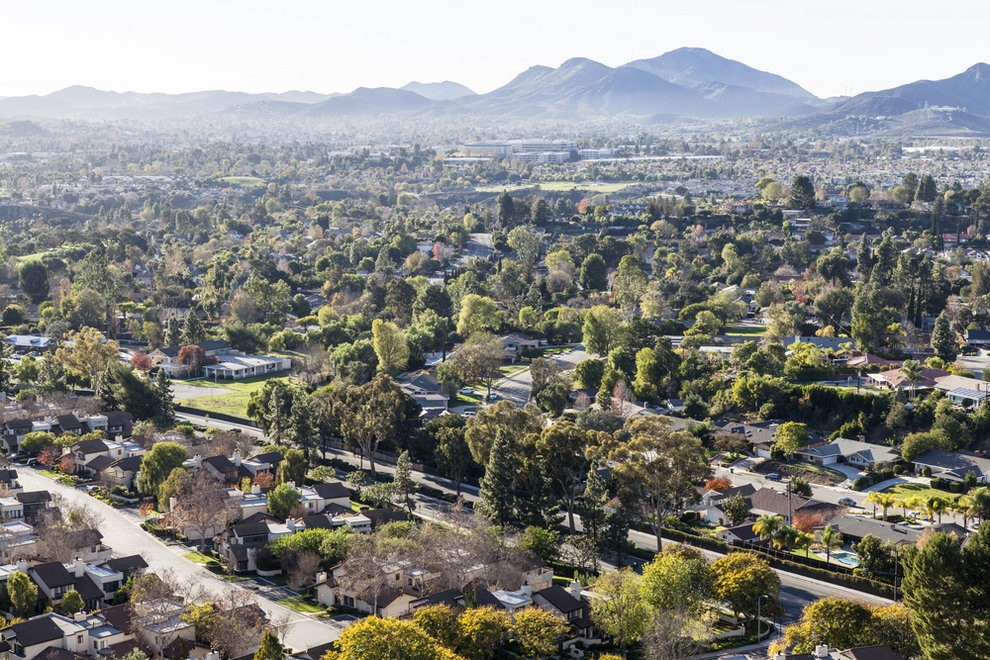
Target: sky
x,y
835,48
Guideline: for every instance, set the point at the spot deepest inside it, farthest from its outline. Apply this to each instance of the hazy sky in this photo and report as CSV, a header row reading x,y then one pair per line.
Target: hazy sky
x,y
830,48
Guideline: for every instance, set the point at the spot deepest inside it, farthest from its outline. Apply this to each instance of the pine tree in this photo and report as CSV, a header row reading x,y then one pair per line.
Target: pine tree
x,y
302,431
497,496
193,332
164,400
538,506
271,648
944,340
864,258
592,511
403,484
105,389
173,337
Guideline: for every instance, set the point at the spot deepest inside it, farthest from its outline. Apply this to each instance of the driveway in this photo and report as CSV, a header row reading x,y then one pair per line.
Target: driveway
x,y
517,387
121,532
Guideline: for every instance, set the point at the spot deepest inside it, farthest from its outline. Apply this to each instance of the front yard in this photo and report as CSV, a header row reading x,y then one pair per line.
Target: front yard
x,y
302,604
230,403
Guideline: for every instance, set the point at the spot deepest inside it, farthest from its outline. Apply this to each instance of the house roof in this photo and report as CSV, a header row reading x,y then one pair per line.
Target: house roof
x,y
90,446
953,461
877,652
332,491
895,377
861,527
54,574
7,476
18,424
269,457
100,463
36,631
68,422
126,564
55,653
211,345
220,463
742,532
767,499
34,497
88,590
561,599
846,447
128,464
978,335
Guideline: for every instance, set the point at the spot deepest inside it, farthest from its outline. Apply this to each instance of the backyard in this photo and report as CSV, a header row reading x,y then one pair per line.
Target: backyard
x,y
228,396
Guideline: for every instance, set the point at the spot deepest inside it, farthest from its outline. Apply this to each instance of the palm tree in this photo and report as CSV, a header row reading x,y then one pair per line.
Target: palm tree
x,y
803,541
874,499
917,505
767,525
885,500
903,503
828,538
981,501
785,537
937,505
912,373
966,507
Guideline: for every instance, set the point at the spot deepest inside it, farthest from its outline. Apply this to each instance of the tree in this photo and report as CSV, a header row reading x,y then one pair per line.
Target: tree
x,y
526,243
86,353
173,335
23,594
589,372
537,631
841,623
767,525
828,539
157,465
927,189
282,500
193,331
483,629
390,347
601,329
620,609
544,542
594,273
657,468
371,414
497,496
400,298
564,446
452,454
677,579
630,283
72,602
403,482
506,209
790,437
37,441
504,417
478,360
201,505
292,468
736,510
740,578
944,340
164,400
33,281
373,638
802,192
477,313
271,648
192,358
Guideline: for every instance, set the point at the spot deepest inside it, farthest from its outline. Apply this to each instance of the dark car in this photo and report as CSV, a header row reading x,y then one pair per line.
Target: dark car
x,y
774,476
32,462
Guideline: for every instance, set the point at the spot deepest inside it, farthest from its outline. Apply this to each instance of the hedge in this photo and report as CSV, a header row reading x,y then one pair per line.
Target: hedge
x,y
872,479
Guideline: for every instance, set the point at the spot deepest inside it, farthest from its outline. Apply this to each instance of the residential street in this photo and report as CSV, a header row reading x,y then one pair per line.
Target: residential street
x,y
516,388
121,532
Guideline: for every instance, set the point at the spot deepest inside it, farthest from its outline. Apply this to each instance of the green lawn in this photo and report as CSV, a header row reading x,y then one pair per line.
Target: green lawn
x,y
563,186
744,330
301,604
243,181
512,369
556,350
198,557
231,403
910,490
468,400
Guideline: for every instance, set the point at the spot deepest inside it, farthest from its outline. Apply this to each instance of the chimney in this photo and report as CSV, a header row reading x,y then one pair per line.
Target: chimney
x,y
575,589
821,651
321,576
527,590
236,459
255,489
197,461
79,616
291,524
79,567
22,566
212,655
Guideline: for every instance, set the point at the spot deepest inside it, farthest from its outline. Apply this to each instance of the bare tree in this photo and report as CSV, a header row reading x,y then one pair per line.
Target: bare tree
x,y
305,565
201,503
677,633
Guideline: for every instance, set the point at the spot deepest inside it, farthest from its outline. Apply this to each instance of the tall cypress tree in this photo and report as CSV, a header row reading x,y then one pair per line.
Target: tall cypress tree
x,y
193,331
944,341
173,336
497,496
164,400
538,505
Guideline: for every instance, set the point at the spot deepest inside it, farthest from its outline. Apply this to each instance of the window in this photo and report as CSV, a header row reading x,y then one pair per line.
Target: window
x,y
79,639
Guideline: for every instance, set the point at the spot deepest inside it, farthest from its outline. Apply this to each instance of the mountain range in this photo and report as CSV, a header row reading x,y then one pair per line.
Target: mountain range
x,y
691,83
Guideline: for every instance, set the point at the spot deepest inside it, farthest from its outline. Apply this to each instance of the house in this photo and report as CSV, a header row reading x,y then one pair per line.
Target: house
x,y
513,345
243,539
33,502
767,500
570,605
30,343
855,528
822,652
54,580
9,483
978,337
168,358
121,472
953,465
740,534
860,360
962,390
856,453
894,379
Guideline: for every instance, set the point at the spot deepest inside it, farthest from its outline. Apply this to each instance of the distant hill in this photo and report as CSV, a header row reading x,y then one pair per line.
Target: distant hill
x,y
439,91
23,129
968,91
369,101
694,67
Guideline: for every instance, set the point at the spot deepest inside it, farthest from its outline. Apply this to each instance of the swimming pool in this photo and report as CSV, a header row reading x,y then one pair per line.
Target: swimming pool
x,y
847,558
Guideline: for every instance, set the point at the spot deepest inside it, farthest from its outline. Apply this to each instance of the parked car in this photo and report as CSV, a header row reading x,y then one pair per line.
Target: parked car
x,y
470,413
774,476
847,501
32,462
466,391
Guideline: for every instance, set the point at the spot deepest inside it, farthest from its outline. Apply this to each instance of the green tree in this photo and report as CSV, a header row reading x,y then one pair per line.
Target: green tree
x,y
677,579
72,602
589,372
483,630
740,578
506,209
292,467
537,631
390,347
193,331
802,192
594,273
270,648
736,510
302,431
164,400
601,329
497,496
158,464
33,281
373,638
828,539
927,189
477,313
620,609
282,500
173,335
944,341
23,594
405,487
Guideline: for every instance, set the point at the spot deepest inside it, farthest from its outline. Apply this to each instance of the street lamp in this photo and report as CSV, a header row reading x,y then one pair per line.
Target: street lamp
x,y
759,622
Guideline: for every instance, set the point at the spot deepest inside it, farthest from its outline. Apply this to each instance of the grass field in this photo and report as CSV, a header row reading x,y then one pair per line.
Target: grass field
x,y
243,181
512,369
299,604
910,490
744,331
198,557
231,403
564,186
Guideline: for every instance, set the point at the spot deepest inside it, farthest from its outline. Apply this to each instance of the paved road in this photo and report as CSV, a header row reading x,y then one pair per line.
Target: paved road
x,y
121,532
479,245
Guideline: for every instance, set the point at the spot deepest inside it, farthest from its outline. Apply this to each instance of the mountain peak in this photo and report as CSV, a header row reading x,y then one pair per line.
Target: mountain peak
x,y
978,70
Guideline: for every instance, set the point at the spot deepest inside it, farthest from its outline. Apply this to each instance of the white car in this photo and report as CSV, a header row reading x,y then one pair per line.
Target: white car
x,y
466,391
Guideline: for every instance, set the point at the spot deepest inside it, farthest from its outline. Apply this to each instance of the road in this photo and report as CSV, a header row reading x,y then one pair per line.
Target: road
x,y
796,591
121,532
479,245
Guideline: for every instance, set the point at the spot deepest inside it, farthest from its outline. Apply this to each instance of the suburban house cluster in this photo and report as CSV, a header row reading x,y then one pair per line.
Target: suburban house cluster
x,y
222,361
